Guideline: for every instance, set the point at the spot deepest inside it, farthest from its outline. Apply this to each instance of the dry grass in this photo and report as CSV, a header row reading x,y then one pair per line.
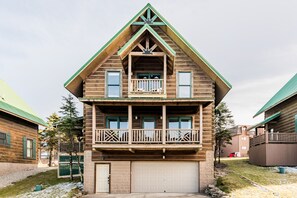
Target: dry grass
x,y
271,183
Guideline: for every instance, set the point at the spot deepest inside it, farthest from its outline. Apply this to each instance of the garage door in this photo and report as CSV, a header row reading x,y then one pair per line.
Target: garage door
x,y
164,177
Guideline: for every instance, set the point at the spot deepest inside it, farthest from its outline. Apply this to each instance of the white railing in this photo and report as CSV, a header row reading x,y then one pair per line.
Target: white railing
x,y
151,86
182,135
111,136
146,135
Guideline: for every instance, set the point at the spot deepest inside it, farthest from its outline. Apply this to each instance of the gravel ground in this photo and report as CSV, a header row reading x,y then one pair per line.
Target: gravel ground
x,y
59,190
6,180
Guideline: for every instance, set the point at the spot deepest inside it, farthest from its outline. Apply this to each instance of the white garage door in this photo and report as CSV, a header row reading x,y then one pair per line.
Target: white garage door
x,y
164,177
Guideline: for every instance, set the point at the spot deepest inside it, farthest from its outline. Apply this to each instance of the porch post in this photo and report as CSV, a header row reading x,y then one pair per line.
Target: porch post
x,y
130,124
129,73
165,74
93,123
163,124
266,134
201,123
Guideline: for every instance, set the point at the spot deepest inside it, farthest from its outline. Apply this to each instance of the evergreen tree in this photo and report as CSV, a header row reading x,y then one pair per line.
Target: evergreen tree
x,y
223,122
69,126
49,136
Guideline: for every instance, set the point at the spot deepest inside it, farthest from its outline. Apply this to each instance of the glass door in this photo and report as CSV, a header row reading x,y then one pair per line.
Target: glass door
x,y
149,126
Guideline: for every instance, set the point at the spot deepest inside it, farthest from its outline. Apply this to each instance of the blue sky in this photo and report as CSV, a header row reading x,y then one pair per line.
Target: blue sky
x,y
252,43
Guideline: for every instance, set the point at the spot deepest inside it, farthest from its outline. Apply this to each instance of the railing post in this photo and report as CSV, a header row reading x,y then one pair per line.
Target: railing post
x,y
201,123
266,137
129,73
93,123
165,74
130,124
163,124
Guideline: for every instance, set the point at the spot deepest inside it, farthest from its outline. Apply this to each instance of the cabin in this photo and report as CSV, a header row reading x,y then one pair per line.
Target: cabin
x,y
149,100
18,132
239,142
277,145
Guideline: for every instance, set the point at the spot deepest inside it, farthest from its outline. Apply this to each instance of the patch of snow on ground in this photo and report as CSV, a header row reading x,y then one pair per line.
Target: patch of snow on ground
x,y
60,190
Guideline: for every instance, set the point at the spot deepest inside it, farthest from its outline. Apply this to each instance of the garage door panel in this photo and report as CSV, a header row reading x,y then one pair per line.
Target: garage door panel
x,y
164,177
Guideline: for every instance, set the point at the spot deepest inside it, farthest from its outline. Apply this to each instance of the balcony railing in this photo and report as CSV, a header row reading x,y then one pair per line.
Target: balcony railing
x,y
146,136
274,138
182,135
147,86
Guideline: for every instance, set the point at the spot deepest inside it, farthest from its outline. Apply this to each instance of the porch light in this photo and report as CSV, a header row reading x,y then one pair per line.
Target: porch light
x,y
135,117
163,156
161,117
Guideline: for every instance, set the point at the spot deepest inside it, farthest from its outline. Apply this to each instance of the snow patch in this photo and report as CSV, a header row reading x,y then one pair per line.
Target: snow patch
x,y
60,190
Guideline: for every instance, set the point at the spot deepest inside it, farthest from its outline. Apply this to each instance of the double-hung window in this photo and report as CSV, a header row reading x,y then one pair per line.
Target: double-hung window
x,y
29,148
4,139
113,84
184,85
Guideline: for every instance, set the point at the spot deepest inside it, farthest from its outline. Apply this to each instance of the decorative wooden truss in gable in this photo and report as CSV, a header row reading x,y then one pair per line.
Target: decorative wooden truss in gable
x,y
147,43
150,18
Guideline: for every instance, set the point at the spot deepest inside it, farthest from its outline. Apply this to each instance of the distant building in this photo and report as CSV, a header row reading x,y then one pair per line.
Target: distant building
x,y
240,141
18,132
277,145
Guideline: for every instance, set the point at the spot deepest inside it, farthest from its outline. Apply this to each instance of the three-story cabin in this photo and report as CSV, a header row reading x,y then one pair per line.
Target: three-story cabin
x,y
149,100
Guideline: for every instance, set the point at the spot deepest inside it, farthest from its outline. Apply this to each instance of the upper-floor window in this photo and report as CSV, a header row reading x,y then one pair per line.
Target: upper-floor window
x,y
184,85
113,84
4,138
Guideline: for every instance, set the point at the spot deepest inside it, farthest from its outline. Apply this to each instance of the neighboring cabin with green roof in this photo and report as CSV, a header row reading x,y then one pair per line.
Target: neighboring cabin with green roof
x,y
278,144
18,132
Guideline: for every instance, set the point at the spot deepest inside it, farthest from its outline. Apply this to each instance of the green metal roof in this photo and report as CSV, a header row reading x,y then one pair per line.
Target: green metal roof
x,y
148,6
12,104
270,118
153,32
286,92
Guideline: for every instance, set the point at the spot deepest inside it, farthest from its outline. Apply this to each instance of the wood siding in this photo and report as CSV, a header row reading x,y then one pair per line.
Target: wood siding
x,y
17,128
286,122
202,86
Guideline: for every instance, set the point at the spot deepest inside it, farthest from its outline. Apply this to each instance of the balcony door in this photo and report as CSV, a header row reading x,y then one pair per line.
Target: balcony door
x,y
119,128
149,82
179,128
149,126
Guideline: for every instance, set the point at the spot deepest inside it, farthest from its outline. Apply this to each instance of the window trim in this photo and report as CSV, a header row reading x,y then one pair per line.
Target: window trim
x,y
177,84
7,139
120,82
117,118
179,118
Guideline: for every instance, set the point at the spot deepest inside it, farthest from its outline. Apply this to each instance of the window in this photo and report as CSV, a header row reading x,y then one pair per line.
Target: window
x,y
149,124
243,138
243,147
184,84
4,138
29,148
118,126
178,126
113,84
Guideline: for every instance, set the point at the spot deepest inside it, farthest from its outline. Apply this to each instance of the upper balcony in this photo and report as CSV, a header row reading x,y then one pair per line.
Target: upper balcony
x,y
146,51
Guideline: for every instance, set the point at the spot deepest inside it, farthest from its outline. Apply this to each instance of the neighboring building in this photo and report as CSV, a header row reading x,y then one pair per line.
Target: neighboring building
x,y
149,100
240,141
18,132
278,144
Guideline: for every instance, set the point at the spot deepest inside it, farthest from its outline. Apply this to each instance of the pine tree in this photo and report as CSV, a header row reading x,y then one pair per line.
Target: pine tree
x,y
49,136
223,122
69,127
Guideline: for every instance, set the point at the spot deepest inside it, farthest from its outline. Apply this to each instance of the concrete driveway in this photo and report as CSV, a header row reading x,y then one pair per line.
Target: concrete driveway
x,y
147,195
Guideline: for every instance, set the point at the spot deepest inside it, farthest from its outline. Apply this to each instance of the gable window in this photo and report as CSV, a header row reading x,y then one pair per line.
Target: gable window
x,y
4,139
113,84
184,85
29,148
